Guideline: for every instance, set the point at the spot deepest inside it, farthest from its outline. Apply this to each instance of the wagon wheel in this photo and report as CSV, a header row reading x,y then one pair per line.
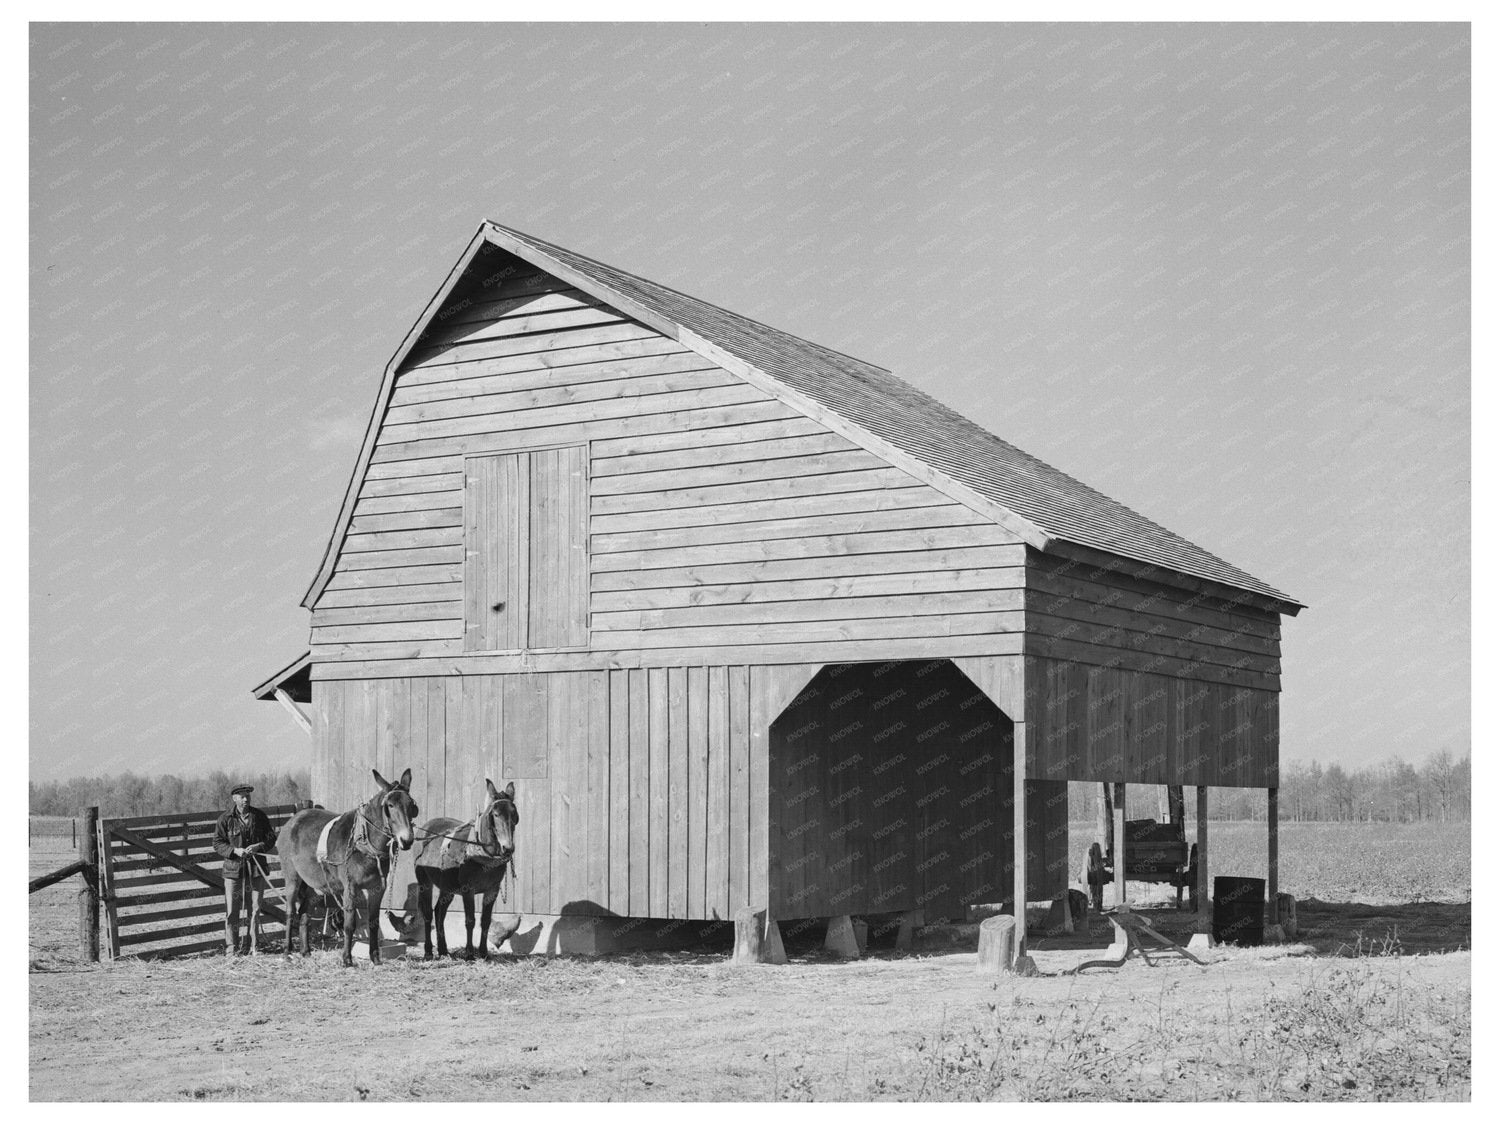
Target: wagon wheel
x,y
1096,877
1192,877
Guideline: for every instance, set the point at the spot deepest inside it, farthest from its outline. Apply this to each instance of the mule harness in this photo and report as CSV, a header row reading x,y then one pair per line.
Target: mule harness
x,y
474,842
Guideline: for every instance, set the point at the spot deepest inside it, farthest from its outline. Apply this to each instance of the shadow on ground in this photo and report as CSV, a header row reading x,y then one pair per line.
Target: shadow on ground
x,y
1327,928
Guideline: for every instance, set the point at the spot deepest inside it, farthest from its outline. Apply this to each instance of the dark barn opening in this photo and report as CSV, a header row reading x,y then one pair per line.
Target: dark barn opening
x,y
891,789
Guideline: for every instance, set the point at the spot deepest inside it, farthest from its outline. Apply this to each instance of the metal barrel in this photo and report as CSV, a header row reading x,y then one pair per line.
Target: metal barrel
x,y
1239,910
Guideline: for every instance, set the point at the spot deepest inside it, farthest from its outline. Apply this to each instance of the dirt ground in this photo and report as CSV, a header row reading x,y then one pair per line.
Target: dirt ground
x,y
1372,1002
1304,1021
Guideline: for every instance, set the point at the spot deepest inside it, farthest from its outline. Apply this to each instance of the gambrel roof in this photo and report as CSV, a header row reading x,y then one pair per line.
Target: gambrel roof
x,y
870,406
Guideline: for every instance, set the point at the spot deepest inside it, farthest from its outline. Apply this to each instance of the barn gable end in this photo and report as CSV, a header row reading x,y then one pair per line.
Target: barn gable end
x,y
703,513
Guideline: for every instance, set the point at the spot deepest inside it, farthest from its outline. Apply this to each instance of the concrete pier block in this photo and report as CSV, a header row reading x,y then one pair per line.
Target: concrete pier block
x,y
842,939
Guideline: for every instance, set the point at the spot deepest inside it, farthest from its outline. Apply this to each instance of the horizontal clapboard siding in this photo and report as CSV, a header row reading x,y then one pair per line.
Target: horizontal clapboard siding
x,y
1110,618
718,517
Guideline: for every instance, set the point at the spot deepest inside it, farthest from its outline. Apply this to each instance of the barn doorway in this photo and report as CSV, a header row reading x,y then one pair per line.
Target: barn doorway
x,y
890,789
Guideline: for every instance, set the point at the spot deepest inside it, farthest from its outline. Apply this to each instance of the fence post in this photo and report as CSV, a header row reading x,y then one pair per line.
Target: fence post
x,y
88,896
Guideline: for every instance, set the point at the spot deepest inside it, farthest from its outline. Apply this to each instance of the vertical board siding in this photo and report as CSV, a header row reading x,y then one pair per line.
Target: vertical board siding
x,y
598,810
739,787
641,814
619,792
559,548
716,815
677,792
657,875
524,725
569,762
697,790
1095,723
658,792
436,757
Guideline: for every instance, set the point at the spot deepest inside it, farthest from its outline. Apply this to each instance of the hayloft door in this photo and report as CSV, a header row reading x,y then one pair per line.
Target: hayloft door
x,y
526,550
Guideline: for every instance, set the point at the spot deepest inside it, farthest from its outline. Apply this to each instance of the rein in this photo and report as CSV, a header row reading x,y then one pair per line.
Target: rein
x,y
477,839
385,857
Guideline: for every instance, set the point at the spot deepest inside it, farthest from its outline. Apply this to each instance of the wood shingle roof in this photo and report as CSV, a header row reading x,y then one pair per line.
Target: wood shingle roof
x,y
914,422
1047,508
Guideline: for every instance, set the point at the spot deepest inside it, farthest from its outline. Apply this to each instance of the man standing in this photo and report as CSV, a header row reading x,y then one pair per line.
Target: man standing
x,y
240,837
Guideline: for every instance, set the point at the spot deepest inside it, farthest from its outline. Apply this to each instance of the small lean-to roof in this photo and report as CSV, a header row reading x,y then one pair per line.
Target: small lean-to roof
x,y
872,407
295,679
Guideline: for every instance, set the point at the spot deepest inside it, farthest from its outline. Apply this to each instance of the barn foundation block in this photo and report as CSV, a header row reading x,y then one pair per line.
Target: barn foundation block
x,y
757,938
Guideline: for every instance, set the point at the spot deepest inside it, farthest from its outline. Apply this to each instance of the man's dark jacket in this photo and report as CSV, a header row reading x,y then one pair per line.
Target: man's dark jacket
x,y
231,831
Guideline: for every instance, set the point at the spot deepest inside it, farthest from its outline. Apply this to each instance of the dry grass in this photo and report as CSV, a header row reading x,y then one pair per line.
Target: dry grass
x,y
1363,1029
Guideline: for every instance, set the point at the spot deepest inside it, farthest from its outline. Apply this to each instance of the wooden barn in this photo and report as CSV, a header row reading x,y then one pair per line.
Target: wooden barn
x,y
750,623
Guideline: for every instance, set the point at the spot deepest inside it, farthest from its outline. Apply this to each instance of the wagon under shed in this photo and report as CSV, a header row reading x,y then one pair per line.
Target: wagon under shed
x,y
749,622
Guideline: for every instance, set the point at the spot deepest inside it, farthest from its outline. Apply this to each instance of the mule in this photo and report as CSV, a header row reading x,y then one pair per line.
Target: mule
x,y
360,846
466,859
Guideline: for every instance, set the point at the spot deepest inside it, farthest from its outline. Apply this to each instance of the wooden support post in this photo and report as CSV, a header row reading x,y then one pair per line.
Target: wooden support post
x,y
1121,899
997,946
1175,810
1107,821
1273,846
1204,927
757,938
88,895
106,871
911,921
1023,964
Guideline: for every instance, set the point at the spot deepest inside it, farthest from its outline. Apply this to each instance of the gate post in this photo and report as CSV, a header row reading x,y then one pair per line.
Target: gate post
x,y
88,896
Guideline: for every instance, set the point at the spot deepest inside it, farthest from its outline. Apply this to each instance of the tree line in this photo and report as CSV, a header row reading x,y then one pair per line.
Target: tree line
x,y
132,794
1391,791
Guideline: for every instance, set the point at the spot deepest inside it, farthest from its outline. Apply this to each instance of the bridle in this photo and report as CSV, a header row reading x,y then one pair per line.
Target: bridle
x,y
486,818
360,839
476,840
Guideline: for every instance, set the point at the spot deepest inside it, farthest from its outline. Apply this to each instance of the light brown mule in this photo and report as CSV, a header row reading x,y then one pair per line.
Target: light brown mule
x,y
358,859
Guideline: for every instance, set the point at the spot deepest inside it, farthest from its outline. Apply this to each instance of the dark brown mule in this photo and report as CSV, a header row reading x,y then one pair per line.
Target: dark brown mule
x,y
360,845
466,859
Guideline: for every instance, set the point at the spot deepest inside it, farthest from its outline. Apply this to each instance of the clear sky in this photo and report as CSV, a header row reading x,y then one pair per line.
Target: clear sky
x,y
1220,273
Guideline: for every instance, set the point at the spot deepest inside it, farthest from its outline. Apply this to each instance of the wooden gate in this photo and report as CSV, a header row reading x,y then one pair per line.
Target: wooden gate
x,y
161,886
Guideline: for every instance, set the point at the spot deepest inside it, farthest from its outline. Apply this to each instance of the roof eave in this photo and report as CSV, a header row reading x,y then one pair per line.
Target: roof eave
x,y
266,690
1273,602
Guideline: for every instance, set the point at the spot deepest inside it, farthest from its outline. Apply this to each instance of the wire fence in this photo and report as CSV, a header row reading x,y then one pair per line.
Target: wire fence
x,y
53,833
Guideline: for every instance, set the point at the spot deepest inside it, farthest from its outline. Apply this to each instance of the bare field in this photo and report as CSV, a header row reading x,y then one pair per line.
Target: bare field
x,y
1374,863
1373,1004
